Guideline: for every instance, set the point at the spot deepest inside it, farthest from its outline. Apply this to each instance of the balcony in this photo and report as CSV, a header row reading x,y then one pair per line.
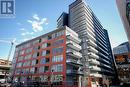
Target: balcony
x,y
93,55
96,40
93,61
73,53
73,45
92,43
95,68
70,37
95,75
74,62
90,48
71,71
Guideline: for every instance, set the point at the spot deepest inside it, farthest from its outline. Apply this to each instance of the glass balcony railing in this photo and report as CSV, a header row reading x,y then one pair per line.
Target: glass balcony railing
x,y
70,37
73,45
93,61
76,62
74,53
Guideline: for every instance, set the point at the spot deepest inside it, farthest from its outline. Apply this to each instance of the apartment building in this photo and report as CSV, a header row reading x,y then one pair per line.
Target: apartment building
x,y
124,11
97,58
53,58
122,58
75,56
4,70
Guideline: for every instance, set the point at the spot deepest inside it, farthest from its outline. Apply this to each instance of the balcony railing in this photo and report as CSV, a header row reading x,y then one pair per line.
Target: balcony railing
x,y
93,55
73,45
74,62
71,71
70,37
93,61
74,53
95,68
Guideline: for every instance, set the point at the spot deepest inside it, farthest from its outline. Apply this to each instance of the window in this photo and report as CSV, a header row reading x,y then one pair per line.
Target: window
x,y
45,52
36,70
35,48
35,55
49,37
32,70
41,69
45,60
60,33
57,50
44,39
58,42
27,45
27,63
25,71
19,64
18,71
21,52
35,42
46,68
20,58
28,50
57,68
33,62
58,58
27,56
48,44
44,45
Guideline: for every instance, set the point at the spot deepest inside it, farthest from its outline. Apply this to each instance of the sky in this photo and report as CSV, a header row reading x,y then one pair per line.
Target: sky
x,y
36,17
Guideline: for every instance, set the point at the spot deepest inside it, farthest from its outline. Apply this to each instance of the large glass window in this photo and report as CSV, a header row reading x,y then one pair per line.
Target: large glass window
x,y
28,50
44,45
25,71
34,55
26,63
18,71
41,69
57,68
57,50
60,33
46,68
33,62
21,52
27,56
44,39
58,42
35,42
19,64
20,58
58,58
45,60
32,70
45,52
